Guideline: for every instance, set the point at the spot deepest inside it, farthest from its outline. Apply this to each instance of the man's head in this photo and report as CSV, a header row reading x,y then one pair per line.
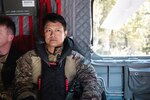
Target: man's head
x,y
6,21
7,31
54,30
53,17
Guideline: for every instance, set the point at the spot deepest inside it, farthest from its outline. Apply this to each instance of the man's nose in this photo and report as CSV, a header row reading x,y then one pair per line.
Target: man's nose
x,y
52,34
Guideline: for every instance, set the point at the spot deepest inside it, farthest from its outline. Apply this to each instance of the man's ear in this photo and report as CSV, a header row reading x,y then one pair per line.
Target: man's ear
x,y
11,37
66,32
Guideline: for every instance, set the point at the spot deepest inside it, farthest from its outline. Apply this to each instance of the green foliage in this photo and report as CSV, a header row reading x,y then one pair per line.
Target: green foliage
x,y
132,39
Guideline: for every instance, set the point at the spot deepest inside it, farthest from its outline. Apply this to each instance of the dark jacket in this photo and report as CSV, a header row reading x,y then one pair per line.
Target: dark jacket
x,y
29,69
8,72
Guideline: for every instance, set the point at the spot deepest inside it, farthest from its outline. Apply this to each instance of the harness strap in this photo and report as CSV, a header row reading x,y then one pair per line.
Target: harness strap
x,y
67,84
58,6
41,15
48,4
21,26
31,30
25,42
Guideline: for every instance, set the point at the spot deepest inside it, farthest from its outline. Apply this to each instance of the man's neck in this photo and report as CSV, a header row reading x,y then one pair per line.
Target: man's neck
x,y
5,49
56,50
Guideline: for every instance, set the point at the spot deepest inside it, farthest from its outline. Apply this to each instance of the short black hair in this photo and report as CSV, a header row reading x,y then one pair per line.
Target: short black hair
x,y
54,17
7,21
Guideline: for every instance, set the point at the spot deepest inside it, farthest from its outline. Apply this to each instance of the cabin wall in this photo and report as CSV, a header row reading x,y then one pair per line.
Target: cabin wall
x,y
114,74
78,16
124,78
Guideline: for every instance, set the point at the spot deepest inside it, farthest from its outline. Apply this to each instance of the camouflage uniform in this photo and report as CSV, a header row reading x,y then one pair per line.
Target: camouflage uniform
x,y
29,69
5,95
7,71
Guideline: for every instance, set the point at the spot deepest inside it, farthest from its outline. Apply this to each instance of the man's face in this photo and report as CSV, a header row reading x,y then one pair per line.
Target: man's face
x,y
5,36
54,34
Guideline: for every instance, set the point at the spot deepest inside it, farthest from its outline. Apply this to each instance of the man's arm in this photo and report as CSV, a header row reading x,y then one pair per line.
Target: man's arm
x,y
88,78
23,78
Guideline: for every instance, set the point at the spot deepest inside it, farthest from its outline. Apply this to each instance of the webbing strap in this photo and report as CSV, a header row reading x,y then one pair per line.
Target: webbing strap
x,y
20,26
22,39
67,84
41,16
31,30
48,4
58,6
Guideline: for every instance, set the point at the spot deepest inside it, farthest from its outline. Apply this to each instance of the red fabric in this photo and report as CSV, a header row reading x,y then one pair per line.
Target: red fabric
x,y
58,6
39,83
41,15
31,31
21,26
23,42
48,4
67,85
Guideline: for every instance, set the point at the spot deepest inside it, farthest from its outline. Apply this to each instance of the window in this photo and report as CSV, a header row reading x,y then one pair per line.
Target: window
x,y
121,27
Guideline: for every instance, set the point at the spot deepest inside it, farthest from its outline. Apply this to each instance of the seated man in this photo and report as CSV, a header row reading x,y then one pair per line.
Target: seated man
x,y
49,71
8,57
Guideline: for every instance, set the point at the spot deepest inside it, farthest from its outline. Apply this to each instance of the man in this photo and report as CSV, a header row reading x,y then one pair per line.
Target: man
x,y
49,72
8,57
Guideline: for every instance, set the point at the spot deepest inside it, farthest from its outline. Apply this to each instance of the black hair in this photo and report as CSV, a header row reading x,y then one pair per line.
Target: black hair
x,y
5,20
54,17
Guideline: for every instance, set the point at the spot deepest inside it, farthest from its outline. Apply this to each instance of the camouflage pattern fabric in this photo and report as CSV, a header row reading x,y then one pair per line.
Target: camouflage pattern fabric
x,y
29,68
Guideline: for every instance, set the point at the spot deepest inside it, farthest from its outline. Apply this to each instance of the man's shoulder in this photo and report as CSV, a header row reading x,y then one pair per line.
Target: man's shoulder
x,y
79,57
76,55
29,55
75,58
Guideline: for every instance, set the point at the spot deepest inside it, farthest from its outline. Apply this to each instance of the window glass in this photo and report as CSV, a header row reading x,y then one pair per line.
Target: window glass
x,y
121,27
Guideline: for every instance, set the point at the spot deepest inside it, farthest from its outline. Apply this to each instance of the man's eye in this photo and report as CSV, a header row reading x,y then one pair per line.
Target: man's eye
x,y
58,30
47,30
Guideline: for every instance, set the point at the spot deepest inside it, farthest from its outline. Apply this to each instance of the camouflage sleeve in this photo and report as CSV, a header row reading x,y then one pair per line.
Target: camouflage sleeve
x,y
23,78
88,78
5,96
